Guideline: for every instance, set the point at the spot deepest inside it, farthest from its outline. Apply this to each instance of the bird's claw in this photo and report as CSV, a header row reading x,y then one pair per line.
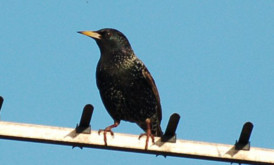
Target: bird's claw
x,y
105,134
148,135
108,129
145,134
105,131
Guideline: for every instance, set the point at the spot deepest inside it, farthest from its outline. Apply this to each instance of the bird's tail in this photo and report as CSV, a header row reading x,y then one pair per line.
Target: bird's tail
x,y
158,131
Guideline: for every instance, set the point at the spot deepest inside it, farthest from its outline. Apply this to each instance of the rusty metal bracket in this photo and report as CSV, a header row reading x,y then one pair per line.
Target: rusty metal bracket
x,y
243,143
170,133
84,126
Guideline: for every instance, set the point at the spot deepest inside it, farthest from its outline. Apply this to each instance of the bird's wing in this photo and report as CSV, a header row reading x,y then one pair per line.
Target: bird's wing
x,y
152,85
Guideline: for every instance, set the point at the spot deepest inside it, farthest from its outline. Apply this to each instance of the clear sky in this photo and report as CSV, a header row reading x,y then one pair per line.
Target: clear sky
x,y
213,63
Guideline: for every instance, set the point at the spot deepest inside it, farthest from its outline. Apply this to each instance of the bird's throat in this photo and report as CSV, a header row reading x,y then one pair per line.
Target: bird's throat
x,y
116,61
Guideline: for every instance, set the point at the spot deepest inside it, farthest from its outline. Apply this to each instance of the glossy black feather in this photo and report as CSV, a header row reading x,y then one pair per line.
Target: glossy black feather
x,y
127,89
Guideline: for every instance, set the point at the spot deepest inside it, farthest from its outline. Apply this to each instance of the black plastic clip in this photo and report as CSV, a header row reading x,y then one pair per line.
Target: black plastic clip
x,y
1,102
243,143
170,133
84,126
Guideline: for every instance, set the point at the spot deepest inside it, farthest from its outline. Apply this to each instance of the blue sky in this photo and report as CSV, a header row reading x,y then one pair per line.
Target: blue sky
x,y
213,63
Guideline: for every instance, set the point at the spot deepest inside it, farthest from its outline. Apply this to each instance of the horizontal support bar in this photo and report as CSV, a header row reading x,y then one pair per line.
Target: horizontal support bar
x,y
127,142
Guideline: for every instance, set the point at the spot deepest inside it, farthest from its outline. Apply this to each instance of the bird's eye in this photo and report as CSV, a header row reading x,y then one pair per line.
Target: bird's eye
x,y
108,34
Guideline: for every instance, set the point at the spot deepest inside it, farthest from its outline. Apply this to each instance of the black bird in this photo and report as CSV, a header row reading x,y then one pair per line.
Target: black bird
x,y
127,89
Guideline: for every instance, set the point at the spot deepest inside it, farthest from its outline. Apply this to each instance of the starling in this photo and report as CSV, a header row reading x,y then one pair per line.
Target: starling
x,y
127,89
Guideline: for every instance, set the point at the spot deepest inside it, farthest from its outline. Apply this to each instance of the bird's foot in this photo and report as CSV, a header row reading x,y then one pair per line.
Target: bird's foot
x,y
105,134
148,134
108,129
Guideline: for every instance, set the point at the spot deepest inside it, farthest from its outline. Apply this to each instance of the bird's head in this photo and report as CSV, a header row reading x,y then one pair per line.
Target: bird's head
x,y
109,40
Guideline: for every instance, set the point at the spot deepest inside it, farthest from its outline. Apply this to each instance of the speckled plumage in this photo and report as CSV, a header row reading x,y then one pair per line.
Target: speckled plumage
x,y
127,89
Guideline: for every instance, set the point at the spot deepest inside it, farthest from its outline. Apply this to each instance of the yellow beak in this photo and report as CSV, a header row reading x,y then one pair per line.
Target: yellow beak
x,y
92,34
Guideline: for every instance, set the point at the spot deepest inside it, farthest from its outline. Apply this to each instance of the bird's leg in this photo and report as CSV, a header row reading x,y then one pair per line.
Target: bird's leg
x,y
108,129
148,133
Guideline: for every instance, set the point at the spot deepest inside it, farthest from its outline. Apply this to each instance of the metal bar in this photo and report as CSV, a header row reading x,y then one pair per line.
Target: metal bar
x,y
170,133
243,142
1,102
86,116
127,142
84,126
